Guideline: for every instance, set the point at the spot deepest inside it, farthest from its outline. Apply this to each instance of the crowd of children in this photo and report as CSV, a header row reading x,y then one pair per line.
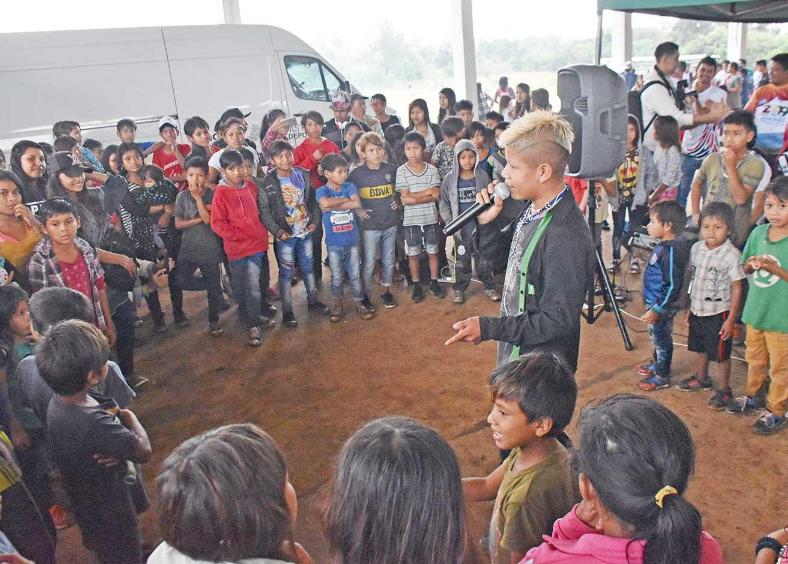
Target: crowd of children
x,y
106,229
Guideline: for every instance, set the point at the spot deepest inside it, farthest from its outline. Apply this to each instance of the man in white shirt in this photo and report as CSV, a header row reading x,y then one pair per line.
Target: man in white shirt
x,y
701,140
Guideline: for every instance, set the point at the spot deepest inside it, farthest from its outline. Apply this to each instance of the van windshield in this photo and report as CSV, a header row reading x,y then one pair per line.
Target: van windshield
x,y
310,78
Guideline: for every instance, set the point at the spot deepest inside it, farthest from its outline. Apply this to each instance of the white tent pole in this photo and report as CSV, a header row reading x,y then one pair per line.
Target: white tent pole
x,y
598,54
464,49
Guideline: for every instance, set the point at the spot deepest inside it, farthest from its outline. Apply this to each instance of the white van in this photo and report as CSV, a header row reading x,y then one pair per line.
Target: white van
x,y
97,77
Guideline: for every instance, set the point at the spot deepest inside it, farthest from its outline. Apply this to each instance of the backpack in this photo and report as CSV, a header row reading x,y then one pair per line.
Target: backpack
x,y
635,106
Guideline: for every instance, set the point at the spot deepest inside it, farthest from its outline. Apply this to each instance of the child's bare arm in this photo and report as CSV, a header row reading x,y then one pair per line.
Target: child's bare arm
x,y
483,489
143,451
327,204
737,292
353,203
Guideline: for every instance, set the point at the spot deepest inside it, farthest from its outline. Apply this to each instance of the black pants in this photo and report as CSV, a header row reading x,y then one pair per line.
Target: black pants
x,y
317,251
210,282
29,529
176,297
619,222
123,318
466,250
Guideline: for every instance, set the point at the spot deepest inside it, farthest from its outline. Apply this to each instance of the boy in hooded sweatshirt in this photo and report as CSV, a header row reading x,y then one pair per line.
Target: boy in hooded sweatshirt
x,y
458,193
235,218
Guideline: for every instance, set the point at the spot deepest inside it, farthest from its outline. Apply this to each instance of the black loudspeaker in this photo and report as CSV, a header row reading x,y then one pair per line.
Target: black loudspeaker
x,y
594,101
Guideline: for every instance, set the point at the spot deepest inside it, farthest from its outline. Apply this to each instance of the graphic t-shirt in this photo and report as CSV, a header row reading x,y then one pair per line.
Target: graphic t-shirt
x,y
627,177
418,214
700,141
376,188
713,272
769,105
766,307
340,226
467,192
294,195
169,164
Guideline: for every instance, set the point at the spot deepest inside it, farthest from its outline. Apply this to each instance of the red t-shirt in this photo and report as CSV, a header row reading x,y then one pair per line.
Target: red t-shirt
x,y
75,276
303,157
168,163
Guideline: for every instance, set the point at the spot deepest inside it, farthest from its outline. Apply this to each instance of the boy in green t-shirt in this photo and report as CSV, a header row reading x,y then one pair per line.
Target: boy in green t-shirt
x,y
766,314
533,400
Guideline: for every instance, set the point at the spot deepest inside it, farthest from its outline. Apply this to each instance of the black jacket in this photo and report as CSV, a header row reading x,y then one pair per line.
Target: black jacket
x,y
272,205
337,136
561,270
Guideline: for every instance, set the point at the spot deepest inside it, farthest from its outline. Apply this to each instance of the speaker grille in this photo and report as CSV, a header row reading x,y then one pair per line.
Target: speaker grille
x,y
581,105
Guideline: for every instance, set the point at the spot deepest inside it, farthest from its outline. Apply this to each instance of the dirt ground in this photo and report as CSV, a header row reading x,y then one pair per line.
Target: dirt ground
x,y
312,386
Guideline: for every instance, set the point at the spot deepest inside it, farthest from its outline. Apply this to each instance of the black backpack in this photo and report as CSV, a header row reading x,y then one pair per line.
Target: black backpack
x,y
635,106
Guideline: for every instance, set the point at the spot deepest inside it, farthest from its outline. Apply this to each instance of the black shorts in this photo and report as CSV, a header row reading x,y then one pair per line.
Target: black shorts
x,y
704,336
420,238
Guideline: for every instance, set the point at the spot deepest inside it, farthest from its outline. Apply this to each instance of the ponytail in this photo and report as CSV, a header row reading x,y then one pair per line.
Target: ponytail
x,y
676,534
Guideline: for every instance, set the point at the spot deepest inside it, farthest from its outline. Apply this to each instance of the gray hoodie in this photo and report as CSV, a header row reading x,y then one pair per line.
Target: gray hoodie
x,y
449,204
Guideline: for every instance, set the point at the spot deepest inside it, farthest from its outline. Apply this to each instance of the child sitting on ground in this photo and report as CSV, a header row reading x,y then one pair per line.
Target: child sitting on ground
x,y
84,432
766,314
215,503
418,184
533,400
635,460
716,295
337,199
289,210
662,284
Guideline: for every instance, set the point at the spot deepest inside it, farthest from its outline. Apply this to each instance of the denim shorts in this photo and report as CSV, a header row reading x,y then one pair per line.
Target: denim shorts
x,y
419,238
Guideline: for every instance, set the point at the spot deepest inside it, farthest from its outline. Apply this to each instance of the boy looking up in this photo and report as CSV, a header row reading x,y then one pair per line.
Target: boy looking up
x,y
379,215
338,199
170,156
72,357
289,210
533,399
419,187
235,218
662,282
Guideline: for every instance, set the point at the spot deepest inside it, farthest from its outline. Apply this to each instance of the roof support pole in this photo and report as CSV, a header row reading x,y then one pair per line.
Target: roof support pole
x,y
464,50
598,49
231,10
737,40
622,39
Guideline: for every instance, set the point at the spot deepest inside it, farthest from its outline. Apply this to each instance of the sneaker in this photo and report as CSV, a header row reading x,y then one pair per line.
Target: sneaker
x,y
646,370
214,329
388,300
720,399
695,384
159,326
459,297
255,337
289,319
267,310
367,303
138,321
493,294
364,312
181,320
337,311
743,405
267,323
634,267
653,383
769,423
418,293
436,290
61,517
319,307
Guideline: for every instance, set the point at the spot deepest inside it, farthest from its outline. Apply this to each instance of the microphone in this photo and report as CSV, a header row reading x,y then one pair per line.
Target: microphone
x,y
501,193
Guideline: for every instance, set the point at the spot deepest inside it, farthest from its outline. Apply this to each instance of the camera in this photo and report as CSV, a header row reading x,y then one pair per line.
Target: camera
x,y
682,93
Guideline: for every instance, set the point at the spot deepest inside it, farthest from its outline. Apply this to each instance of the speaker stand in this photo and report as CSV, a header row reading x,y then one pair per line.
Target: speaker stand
x,y
609,300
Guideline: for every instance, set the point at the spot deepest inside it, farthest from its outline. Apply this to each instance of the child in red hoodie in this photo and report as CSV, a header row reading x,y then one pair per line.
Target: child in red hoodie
x,y
635,461
235,218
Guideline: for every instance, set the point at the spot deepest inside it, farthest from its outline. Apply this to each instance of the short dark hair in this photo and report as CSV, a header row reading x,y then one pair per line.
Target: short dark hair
x,y
91,144
734,64
56,206
778,188
64,127
126,123
230,157
452,126
463,105
746,120
781,59
333,161
197,162
501,126
68,353
278,147
414,137
193,124
710,61
222,496
540,98
64,143
761,62
718,210
316,117
247,154
476,127
671,213
498,117
52,305
153,172
10,297
380,97
665,50
542,384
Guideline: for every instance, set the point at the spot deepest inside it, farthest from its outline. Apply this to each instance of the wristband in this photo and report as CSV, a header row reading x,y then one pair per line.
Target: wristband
x,y
770,543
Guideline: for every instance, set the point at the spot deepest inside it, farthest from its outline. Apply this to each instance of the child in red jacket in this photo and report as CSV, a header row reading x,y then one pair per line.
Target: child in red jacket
x,y
235,218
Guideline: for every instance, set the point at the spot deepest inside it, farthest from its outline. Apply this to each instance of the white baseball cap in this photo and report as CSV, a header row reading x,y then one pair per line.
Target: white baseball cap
x,y
167,120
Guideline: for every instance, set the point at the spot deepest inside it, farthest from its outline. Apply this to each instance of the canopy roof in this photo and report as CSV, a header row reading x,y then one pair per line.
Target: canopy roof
x,y
745,11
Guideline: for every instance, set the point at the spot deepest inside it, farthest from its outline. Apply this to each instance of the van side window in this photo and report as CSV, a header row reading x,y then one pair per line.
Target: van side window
x,y
310,78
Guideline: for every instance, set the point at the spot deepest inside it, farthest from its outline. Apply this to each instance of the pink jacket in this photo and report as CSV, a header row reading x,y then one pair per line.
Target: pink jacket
x,y
574,541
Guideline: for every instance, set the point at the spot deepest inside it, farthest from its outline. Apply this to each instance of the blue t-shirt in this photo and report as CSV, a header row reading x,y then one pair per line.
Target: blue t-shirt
x,y
467,193
294,194
340,226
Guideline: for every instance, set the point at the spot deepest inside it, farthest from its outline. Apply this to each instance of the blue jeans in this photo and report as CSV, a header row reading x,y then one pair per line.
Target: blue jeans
x,y
384,240
688,168
341,260
245,279
295,249
661,335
